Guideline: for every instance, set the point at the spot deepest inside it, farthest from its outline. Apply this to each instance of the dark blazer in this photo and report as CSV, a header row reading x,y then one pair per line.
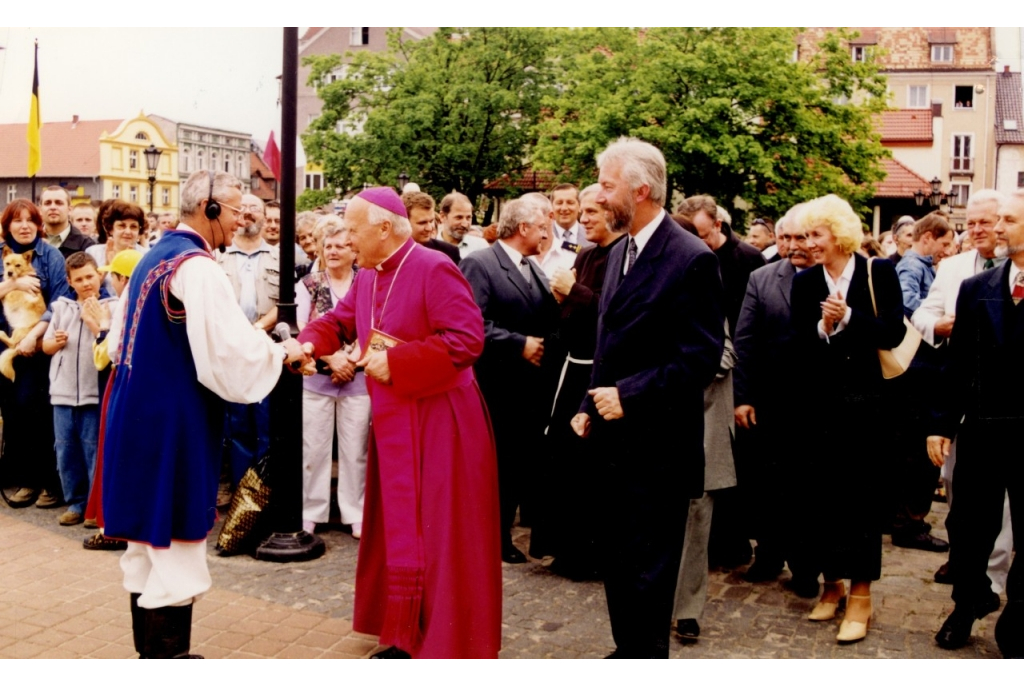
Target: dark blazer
x,y
660,340
75,242
441,246
847,364
737,261
511,310
764,337
983,377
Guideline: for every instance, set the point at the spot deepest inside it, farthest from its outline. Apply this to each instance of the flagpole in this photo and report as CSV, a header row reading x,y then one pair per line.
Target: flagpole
x,y
35,123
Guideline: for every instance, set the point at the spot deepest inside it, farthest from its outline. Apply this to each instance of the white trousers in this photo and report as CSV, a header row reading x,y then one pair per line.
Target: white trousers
x,y
999,560
175,576
321,416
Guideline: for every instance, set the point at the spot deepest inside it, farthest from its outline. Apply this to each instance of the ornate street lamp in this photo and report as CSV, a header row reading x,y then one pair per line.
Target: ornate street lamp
x,y
152,159
935,198
403,178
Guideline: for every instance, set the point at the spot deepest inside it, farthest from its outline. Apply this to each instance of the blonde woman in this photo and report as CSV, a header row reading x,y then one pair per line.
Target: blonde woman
x,y
840,335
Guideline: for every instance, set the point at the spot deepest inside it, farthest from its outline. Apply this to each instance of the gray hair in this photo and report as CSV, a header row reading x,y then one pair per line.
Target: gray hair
x,y
302,219
522,210
592,188
400,225
987,195
723,215
642,164
793,214
197,189
327,226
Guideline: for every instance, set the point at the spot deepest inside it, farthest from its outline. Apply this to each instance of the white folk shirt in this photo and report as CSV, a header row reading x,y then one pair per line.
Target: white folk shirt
x,y
233,360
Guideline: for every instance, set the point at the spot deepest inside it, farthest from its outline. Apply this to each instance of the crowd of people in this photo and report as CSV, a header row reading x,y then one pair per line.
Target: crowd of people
x,y
589,347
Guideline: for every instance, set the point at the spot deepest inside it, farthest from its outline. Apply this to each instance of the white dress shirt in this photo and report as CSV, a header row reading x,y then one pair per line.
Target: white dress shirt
x,y
641,238
841,286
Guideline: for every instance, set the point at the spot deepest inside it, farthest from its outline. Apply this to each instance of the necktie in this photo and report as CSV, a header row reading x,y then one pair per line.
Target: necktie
x,y
524,268
987,265
630,255
1018,288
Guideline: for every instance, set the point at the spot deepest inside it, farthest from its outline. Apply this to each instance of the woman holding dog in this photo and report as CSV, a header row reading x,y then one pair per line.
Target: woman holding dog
x,y
29,461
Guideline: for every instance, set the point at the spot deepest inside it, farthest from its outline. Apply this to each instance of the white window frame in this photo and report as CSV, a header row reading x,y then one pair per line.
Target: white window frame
x,y
942,53
12,192
115,191
133,194
133,159
959,194
314,181
954,100
859,53
355,36
910,99
165,196
966,162
199,160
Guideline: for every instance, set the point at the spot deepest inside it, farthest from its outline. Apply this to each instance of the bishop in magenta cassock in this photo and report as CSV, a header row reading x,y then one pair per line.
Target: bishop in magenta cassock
x,y
428,581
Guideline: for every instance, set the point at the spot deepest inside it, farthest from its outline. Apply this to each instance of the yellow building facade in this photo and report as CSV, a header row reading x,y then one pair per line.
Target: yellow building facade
x,y
123,170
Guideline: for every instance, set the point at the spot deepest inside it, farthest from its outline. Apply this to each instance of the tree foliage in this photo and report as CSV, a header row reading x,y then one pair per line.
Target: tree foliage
x,y
453,110
731,110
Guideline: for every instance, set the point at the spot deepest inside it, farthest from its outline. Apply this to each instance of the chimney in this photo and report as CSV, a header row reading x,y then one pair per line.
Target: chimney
x,y
1006,68
74,120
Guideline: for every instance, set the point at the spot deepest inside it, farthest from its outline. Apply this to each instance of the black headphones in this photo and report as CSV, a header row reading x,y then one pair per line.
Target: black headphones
x,y
212,210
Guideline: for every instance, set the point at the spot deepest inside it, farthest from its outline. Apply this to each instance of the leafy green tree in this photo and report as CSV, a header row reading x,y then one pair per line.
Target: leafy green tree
x,y
453,110
734,114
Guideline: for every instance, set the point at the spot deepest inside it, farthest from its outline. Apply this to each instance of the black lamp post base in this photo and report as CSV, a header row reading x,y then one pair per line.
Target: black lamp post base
x,y
285,547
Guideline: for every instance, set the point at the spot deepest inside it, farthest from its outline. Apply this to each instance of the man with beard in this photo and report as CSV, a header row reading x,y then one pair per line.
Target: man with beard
x,y
659,344
982,406
763,389
54,205
254,270
456,220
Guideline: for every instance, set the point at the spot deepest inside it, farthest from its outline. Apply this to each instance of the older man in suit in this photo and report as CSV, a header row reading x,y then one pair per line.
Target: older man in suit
x,y
660,340
519,315
935,318
764,384
983,386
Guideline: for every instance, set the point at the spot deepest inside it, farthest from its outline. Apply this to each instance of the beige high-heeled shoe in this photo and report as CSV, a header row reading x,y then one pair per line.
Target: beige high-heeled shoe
x,y
854,631
826,611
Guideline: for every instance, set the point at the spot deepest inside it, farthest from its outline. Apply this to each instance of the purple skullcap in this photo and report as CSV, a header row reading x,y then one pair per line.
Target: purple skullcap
x,y
386,197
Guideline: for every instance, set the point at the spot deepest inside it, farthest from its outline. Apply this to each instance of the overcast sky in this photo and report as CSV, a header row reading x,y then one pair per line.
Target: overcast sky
x,y
225,78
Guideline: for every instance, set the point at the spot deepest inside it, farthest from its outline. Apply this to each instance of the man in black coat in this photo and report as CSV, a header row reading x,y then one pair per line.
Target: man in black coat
x,y
520,314
764,387
660,339
983,384
55,204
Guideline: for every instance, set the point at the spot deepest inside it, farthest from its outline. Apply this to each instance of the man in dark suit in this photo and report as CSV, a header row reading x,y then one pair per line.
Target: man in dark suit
x,y
660,340
55,204
420,208
519,314
983,383
763,386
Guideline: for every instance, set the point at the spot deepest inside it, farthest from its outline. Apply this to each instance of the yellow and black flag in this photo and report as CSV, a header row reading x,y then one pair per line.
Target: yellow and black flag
x,y
35,153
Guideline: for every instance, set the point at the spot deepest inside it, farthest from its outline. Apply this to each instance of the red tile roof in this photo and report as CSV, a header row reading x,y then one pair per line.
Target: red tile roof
x,y
528,181
905,126
1009,111
258,166
70,150
900,181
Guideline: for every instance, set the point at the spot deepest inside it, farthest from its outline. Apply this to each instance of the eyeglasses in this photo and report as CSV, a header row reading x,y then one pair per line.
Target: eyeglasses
x,y
236,210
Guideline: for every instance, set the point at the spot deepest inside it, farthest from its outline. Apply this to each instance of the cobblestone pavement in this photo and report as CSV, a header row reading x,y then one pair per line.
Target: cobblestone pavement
x,y
58,600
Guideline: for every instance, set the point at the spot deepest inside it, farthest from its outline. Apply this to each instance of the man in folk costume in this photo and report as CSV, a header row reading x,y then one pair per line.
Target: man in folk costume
x,y
428,580
186,349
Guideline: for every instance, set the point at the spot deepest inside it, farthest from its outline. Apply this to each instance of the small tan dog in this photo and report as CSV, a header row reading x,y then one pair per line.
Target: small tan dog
x,y
23,310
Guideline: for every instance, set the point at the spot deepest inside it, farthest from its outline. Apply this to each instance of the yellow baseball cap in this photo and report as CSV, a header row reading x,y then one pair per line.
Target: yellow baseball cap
x,y
123,264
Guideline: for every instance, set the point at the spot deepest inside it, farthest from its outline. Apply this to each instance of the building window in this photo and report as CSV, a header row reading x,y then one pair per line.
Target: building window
x,y
241,165
199,160
115,191
858,53
959,194
917,97
12,192
141,136
359,35
133,159
213,160
963,97
255,182
314,181
133,193
942,53
227,162
185,160
963,153
165,196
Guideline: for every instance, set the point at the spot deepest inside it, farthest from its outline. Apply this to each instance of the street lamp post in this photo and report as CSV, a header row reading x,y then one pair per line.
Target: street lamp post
x,y
935,198
152,159
403,178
